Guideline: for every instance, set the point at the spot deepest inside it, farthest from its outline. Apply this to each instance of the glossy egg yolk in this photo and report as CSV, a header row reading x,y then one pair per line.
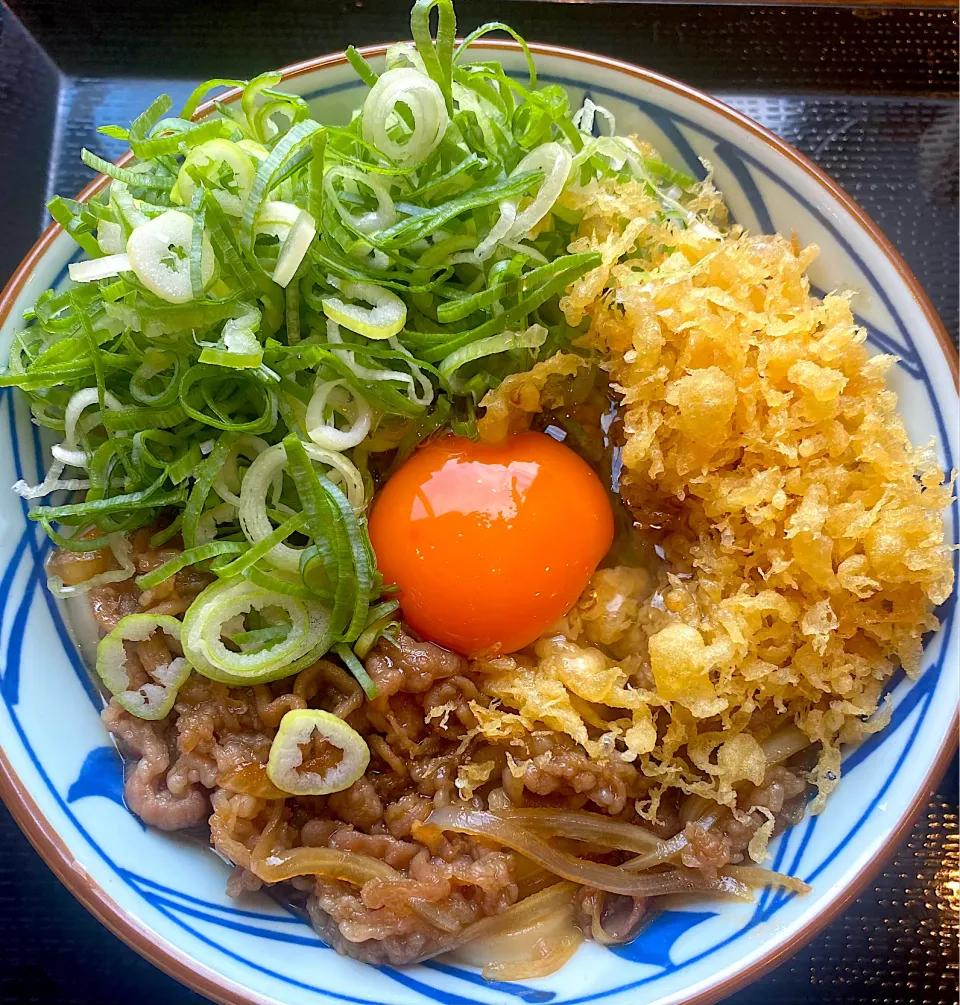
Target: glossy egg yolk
x,y
490,545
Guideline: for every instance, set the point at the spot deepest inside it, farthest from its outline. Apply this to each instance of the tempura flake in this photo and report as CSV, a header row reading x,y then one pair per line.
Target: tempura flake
x,y
801,533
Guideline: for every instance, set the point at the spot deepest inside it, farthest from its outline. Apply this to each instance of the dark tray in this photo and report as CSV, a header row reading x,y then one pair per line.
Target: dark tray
x,y
868,94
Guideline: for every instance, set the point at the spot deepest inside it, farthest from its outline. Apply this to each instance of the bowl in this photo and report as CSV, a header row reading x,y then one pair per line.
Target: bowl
x,y
61,776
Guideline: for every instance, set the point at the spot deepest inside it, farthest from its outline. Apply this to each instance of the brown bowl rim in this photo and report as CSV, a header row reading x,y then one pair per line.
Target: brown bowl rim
x,y
201,978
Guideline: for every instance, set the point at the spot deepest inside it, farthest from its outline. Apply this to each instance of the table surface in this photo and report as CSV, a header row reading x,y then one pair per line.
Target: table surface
x,y
867,94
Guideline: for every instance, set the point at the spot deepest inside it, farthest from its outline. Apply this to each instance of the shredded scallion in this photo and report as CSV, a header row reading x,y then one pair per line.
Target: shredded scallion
x,y
268,300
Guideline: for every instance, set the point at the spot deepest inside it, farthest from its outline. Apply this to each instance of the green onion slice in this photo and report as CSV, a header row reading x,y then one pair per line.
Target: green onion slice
x,y
206,623
385,317
267,300
301,726
154,698
356,668
191,556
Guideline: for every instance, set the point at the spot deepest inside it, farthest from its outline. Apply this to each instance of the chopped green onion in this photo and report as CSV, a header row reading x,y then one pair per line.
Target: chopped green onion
x,y
298,727
414,229
74,542
169,532
532,338
134,179
355,667
192,556
363,69
384,318
370,635
437,55
144,499
264,294
306,639
153,699
202,486
253,553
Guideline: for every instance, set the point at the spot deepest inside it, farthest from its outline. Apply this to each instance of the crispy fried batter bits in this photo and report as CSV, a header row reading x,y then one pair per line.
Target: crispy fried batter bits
x,y
804,546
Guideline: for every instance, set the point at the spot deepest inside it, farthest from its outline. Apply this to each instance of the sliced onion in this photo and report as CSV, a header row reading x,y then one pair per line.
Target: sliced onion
x,y
339,397
297,728
424,99
753,875
666,851
98,268
579,825
724,886
385,317
251,780
523,952
379,219
638,912
347,866
529,911
553,958
698,808
159,253
203,625
294,249
526,912
593,874
784,743
531,878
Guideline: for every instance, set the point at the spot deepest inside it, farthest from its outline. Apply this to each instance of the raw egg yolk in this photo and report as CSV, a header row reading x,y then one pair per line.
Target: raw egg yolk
x,y
490,544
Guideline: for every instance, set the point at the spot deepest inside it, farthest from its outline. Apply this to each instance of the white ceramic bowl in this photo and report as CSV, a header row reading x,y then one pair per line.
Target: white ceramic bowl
x,y
61,777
